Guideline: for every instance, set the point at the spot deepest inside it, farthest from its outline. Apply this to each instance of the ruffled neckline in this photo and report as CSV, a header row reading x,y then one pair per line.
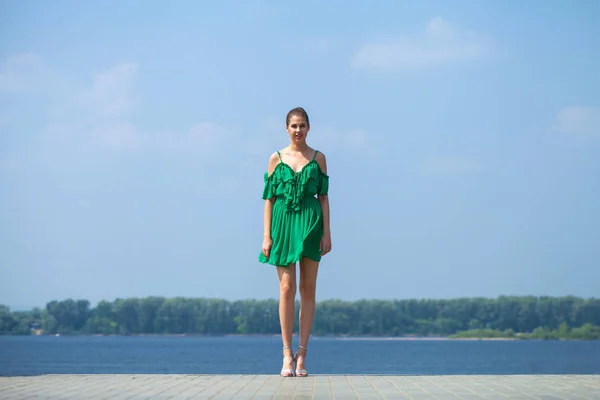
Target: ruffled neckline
x,y
295,173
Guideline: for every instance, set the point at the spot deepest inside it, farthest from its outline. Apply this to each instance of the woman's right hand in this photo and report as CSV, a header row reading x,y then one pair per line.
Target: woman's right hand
x,y
266,246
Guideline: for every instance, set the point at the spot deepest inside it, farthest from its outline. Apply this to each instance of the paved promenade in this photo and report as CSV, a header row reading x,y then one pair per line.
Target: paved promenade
x,y
121,387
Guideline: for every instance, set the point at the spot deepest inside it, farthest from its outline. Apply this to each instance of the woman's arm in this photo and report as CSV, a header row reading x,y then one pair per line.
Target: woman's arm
x,y
268,210
324,201
267,218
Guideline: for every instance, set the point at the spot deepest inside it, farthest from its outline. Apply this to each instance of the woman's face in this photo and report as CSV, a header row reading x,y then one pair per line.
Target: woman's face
x,y
297,128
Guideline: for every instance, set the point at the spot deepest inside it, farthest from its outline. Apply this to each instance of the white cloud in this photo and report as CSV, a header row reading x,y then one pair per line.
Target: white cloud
x,y
112,90
439,44
91,122
347,139
109,102
579,120
98,115
123,136
205,138
20,72
450,165
321,45
93,136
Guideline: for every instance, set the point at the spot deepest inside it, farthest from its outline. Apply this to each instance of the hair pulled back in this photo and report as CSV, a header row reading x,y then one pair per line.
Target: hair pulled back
x,y
298,112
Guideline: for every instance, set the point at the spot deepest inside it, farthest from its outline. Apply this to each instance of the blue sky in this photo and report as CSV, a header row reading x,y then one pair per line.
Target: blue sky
x,y
463,144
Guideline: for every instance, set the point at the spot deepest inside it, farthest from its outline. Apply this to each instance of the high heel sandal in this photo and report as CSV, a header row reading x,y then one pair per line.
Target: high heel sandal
x,y
288,372
300,372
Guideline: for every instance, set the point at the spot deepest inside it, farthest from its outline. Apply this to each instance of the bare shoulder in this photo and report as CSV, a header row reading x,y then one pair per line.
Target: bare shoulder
x,y
321,159
273,161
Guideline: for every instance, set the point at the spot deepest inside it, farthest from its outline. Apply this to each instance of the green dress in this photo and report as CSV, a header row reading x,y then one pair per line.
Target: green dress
x,y
297,220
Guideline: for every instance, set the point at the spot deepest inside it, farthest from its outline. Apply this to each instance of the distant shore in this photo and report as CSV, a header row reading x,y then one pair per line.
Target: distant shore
x,y
313,337
409,338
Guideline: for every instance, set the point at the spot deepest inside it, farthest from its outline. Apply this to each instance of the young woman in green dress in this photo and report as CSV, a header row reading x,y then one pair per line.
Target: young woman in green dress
x,y
296,230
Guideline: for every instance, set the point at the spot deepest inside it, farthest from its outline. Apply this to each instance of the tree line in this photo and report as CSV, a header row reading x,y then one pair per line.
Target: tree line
x,y
506,316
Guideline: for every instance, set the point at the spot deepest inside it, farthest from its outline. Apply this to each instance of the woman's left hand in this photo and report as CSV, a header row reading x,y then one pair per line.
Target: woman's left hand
x,y
326,244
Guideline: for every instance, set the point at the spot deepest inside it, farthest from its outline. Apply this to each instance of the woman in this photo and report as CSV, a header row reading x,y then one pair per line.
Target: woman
x,y
296,229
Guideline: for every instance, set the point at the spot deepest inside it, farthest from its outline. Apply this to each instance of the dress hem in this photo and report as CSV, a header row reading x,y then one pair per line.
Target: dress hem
x,y
264,260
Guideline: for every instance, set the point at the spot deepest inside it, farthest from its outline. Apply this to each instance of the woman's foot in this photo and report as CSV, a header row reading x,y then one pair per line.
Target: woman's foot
x,y
288,362
300,356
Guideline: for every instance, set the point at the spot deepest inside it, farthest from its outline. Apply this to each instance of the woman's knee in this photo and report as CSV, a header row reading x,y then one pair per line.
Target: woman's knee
x,y
308,290
288,290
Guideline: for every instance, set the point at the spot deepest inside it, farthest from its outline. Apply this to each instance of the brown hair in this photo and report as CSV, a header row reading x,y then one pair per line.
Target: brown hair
x,y
299,112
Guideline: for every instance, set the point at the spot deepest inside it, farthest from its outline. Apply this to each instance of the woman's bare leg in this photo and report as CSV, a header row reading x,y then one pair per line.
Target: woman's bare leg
x,y
287,295
308,290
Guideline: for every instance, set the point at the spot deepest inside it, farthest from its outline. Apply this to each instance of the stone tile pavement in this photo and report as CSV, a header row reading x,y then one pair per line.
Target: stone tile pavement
x,y
258,387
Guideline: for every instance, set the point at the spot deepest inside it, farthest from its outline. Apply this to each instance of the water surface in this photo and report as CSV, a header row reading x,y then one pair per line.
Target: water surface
x,y
29,355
